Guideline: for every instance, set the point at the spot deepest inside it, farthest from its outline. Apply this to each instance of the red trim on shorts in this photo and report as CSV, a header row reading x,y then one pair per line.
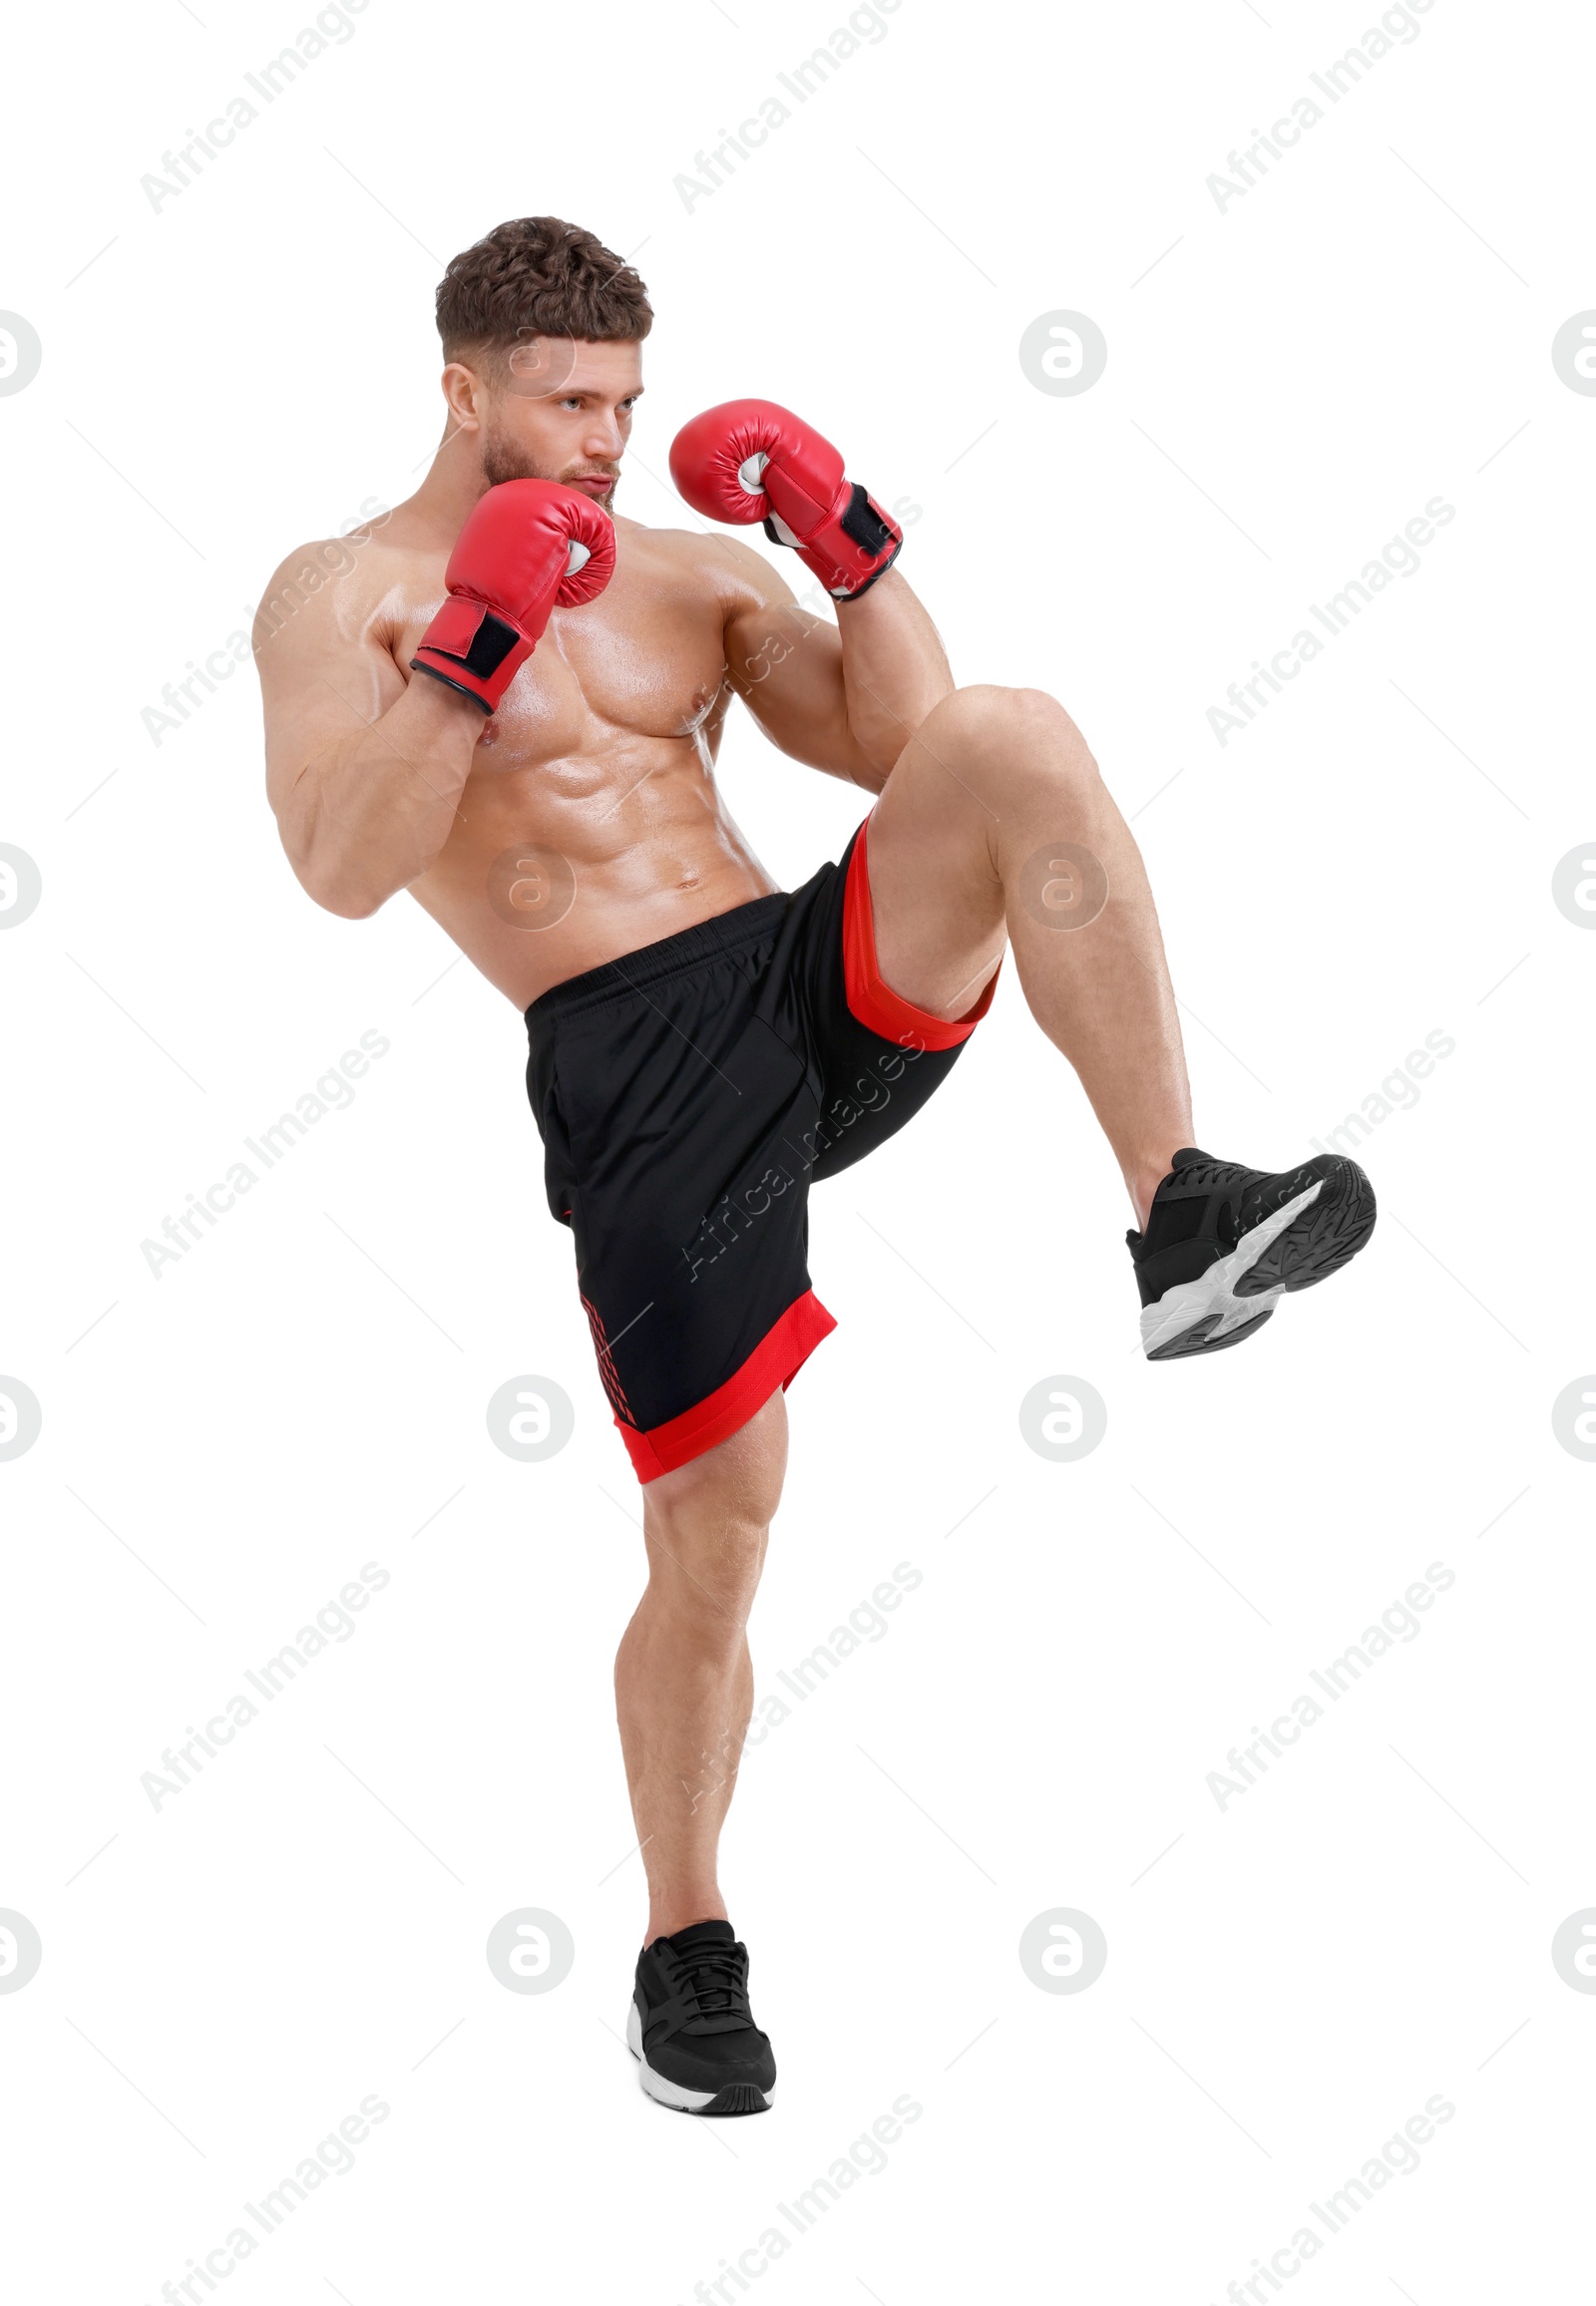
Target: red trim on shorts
x,y
609,1375
774,1362
869,998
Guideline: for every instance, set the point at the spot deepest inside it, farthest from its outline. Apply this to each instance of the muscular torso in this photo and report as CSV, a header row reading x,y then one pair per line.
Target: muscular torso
x,y
591,823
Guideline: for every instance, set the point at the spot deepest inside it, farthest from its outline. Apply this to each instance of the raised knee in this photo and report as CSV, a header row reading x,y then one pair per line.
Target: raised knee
x,y
1048,728
1024,725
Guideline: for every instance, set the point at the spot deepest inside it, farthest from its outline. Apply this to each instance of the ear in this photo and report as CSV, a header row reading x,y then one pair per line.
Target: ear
x,y
465,393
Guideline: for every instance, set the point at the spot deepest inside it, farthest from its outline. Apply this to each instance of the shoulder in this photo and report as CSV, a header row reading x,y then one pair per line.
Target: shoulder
x,y
713,561
334,585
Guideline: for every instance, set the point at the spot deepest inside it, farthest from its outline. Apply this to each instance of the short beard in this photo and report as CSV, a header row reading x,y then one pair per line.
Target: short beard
x,y
500,461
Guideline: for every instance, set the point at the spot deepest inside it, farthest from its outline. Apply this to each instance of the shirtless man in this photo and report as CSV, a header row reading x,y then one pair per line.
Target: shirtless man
x,y
508,703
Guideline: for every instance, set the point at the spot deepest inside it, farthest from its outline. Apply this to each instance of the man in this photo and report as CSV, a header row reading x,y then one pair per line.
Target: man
x,y
508,702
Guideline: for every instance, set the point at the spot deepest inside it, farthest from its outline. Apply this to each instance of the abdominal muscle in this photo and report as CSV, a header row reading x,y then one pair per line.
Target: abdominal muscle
x,y
564,864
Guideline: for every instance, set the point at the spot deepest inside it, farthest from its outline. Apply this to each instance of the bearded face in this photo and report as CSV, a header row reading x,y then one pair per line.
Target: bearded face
x,y
535,427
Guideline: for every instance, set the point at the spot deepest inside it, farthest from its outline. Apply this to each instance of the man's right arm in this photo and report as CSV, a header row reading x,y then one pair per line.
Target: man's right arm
x,y
365,774
363,771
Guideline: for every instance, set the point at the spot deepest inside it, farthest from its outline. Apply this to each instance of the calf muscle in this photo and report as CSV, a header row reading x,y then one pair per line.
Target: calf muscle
x,y
683,1677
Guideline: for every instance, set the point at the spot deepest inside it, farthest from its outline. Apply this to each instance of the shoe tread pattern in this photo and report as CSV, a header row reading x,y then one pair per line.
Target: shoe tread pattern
x,y
1329,1233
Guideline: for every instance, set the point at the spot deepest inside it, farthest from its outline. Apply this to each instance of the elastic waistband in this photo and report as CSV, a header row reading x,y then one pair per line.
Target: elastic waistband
x,y
707,940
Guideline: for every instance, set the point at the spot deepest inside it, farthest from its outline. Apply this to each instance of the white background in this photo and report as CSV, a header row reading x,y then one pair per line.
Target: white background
x,y
1368,863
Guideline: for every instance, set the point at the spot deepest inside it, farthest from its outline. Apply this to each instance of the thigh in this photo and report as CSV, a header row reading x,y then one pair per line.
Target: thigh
x,y
686,1203
936,891
874,1058
676,1119
707,1522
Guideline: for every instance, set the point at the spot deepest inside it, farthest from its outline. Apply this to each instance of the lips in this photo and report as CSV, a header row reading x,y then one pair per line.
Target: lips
x,y
595,485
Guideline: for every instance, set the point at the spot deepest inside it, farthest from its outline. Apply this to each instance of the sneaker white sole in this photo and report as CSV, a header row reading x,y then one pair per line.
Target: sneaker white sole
x,y
1191,1302
658,2086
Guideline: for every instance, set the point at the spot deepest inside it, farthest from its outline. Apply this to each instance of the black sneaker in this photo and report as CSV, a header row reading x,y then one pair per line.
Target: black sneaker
x,y
1224,1244
690,2027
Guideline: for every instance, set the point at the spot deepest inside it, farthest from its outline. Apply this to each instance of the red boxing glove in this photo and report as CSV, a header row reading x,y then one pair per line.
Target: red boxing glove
x,y
749,460
525,546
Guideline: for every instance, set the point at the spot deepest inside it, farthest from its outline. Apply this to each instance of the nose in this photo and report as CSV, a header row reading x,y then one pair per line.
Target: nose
x,y
604,438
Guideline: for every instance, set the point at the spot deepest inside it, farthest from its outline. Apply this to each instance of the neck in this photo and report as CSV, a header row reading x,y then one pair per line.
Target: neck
x,y
455,480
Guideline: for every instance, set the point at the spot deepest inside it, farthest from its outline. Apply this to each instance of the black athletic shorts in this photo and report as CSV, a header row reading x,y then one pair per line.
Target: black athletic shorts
x,y
687,1094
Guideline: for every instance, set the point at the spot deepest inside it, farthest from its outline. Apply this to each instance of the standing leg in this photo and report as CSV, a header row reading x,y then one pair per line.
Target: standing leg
x,y
683,1678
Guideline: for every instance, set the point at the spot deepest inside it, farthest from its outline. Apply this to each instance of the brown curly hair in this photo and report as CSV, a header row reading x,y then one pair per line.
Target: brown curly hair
x,y
539,276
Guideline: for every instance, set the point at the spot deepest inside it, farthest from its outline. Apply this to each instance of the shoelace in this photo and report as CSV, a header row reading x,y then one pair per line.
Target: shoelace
x,y
1204,1176
715,1978
1251,1195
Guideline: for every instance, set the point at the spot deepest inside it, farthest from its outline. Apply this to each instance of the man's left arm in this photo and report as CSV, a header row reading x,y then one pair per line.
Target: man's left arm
x,y
845,697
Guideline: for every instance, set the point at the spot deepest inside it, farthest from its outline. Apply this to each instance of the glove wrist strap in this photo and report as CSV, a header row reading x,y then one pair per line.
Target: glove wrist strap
x,y
853,546
471,649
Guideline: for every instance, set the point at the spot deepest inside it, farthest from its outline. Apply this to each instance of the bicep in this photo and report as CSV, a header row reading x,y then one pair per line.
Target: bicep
x,y
786,662
323,675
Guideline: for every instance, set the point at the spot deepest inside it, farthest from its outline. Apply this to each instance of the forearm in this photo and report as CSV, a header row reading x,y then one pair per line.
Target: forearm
x,y
893,667
372,809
